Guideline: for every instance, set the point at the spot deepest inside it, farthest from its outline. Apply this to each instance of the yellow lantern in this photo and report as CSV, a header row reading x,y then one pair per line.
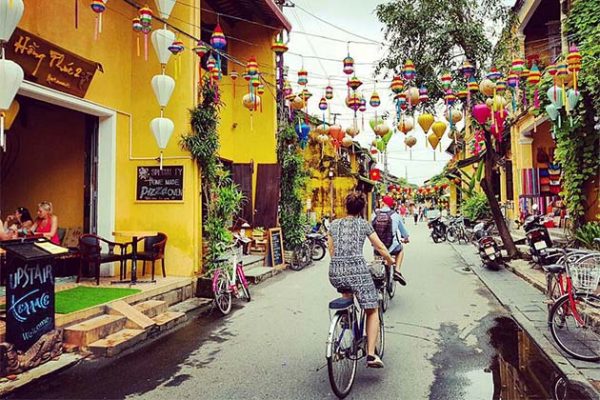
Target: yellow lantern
x,y
433,140
487,87
438,128
406,124
425,121
499,103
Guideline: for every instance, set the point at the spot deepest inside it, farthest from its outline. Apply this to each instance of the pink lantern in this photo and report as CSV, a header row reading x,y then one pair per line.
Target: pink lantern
x,y
482,113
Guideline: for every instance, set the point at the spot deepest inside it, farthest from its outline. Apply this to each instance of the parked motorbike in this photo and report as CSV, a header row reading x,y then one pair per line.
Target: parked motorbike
x,y
318,245
489,250
538,239
438,229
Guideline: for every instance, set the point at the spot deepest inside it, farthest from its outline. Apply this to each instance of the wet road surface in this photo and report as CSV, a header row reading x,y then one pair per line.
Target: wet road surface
x,y
438,331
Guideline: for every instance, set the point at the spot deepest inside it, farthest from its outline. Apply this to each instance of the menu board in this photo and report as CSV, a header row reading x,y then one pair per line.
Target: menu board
x,y
276,247
156,184
29,294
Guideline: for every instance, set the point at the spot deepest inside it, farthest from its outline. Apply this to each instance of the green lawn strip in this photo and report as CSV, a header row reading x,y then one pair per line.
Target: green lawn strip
x,y
81,297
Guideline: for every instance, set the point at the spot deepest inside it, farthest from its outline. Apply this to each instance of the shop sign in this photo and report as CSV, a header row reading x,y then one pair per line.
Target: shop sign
x,y
156,184
49,65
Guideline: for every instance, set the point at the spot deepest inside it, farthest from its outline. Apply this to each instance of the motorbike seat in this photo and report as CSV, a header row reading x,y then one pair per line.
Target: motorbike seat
x,y
314,236
554,268
340,303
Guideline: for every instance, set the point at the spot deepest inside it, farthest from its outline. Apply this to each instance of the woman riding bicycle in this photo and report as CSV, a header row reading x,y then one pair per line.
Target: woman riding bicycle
x,y
348,271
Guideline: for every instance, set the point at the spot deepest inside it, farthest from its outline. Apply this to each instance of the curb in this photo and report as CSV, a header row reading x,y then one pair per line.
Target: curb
x,y
563,364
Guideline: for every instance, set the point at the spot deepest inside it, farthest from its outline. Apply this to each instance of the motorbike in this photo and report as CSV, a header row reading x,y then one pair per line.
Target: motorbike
x,y
318,245
487,247
438,229
538,239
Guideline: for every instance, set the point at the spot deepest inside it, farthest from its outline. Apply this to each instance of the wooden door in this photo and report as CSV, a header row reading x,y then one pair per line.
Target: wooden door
x,y
242,176
267,195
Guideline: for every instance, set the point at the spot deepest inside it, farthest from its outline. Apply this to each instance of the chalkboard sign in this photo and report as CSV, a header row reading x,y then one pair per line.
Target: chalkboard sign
x,y
154,184
276,247
29,293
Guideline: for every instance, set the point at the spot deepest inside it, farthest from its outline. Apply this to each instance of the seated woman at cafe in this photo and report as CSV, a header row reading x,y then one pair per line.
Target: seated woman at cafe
x,y
21,220
8,233
46,223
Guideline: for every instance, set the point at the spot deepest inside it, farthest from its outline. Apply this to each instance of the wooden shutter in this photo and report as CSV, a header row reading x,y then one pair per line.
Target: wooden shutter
x,y
267,195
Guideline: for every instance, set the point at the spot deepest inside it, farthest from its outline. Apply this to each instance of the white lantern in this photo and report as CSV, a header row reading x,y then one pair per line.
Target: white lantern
x,y
165,7
163,86
11,76
162,128
11,12
161,40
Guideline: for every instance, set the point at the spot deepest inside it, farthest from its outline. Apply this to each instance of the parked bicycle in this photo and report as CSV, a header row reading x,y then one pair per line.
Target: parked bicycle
x,y
318,245
571,316
229,278
302,256
347,342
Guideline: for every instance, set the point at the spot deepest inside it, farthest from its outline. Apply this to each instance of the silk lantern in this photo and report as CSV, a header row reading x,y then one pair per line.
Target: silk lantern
x,y
487,87
302,130
433,140
161,41
165,7
163,86
11,77
162,128
555,95
352,131
11,12
98,6
347,141
425,121
381,129
406,124
481,113
438,128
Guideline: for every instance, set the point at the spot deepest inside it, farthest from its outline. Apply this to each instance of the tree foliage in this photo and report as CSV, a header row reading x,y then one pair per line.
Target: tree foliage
x,y
437,35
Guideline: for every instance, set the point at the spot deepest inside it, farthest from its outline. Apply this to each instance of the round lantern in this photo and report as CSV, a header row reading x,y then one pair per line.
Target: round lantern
x,y
278,47
251,101
354,83
362,104
410,141
329,93
423,94
374,101
486,87
322,129
494,74
348,65
252,66
456,116
323,104
305,95
481,113
302,130
381,129
446,81
467,69
412,95
297,103
217,39
409,72
347,141
146,16
406,124
176,47
438,128
352,131
472,85
397,85
302,77
425,121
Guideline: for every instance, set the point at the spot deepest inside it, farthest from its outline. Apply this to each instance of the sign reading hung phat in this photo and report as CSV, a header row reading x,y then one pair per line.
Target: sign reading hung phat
x,y
48,65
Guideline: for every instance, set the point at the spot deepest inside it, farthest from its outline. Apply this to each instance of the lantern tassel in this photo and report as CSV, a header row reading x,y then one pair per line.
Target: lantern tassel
x,y
96,30
100,23
145,47
138,45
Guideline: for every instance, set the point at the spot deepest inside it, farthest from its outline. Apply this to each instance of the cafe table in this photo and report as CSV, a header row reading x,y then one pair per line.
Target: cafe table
x,y
135,236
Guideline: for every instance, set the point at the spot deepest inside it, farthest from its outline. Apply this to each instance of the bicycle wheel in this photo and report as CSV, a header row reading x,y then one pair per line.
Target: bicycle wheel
x,y
306,254
451,234
297,262
222,294
390,282
246,291
552,289
572,330
380,346
318,251
243,284
341,355
384,301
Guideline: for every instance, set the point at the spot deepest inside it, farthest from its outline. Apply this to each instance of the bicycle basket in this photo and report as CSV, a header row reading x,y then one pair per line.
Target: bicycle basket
x,y
378,273
585,274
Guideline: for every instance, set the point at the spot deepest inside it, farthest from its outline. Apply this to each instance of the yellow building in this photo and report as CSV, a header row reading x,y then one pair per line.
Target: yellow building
x,y
91,151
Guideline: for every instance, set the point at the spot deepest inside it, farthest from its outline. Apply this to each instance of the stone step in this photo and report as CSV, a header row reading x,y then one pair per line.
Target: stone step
x,y
135,318
152,308
114,344
169,319
92,330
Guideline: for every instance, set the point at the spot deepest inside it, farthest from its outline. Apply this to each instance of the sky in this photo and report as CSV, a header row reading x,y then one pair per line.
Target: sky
x,y
358,17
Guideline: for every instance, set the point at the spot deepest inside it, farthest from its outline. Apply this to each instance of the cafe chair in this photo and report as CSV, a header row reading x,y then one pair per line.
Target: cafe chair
x,y
154,250
90,251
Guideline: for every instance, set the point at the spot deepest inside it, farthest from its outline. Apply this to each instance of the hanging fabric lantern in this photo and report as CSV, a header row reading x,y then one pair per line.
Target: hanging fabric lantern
x,y
200,49
297,103
165,7
446,81
374,101
410,141
98,6
348,65
438,128
362,104
494,74
467,70
407,124
482,113
218,41
163,86
487,87
162,128
352,131
288,92
518,66
211,63
425,121
450,98
412,96
305,95
252,66
375,175
176,47
11,13
397,85
146,21
354,83
329,92
462,94
302,130
323,105
161,40
533,80
574,64
500,86
409,72
278,46
433,140
11,77
423,94
353,102
472,86
137,28
302,77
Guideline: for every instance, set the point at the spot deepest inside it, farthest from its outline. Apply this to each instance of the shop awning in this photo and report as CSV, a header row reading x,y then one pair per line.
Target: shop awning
x,y
263,11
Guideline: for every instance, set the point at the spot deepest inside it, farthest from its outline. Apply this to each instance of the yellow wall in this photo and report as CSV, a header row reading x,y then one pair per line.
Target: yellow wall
x,y
48,145
125,86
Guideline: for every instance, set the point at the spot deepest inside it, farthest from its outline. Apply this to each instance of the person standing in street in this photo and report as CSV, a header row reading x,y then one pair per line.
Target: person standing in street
x,y
390,229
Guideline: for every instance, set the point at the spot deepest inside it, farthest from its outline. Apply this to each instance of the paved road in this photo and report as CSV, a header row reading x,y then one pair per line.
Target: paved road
x,y
436,343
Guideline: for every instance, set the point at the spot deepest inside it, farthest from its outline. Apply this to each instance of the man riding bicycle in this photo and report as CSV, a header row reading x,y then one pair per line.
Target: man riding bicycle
x,y
392,232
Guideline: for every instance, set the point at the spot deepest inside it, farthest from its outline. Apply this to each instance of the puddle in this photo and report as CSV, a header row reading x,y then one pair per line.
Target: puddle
x,y
503,364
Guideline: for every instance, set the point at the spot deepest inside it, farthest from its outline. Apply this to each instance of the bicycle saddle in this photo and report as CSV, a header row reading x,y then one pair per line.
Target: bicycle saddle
x,y
554,268
340,303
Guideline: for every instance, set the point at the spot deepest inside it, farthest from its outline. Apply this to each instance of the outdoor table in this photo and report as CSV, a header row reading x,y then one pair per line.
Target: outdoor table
x,y
135,236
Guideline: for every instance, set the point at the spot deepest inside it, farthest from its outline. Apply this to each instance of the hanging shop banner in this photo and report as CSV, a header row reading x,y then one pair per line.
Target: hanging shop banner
x,y
48,65
155,184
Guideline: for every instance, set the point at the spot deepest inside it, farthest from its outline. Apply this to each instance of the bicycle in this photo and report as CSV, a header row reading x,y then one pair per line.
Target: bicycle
x,y
302,256
226,284
347,343
381,277
555,279
570,317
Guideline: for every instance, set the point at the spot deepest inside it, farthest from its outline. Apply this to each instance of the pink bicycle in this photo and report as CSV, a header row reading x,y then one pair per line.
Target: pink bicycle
x,y
229,279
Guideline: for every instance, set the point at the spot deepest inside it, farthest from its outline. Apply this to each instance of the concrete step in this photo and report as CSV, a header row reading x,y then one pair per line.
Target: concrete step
x,y
169,319
152,308
114,344
259,274
92,330
135,318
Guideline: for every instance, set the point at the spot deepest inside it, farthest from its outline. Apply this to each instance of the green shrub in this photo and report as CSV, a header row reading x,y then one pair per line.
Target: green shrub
x,y
476,207
587,233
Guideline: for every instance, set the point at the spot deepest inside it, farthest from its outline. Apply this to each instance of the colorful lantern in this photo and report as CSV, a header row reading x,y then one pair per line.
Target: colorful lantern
x,y
329,93
512,80
409,72
348,65
381,130
251,66
462,94
297,103
137,28
446,81
352,131
375,175
423,94
518,66
574,64
374,101
302,130
362,104
397,85
450,97
176,47
354,83
217,39
302,77
533,79
481,113
472,86
146,22
467,69
287,90
412,96
494,74
305,95
487,87
98,6
500,86
278,46
353,101
323,104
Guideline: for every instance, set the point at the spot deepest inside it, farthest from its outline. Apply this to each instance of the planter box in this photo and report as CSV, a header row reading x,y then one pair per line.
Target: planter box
x,y
204,288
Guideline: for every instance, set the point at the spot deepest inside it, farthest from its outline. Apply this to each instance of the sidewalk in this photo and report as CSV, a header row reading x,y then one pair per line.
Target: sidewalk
x,y
527,305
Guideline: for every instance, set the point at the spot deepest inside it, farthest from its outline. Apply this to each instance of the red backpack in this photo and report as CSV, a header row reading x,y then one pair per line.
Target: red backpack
x,y
383,227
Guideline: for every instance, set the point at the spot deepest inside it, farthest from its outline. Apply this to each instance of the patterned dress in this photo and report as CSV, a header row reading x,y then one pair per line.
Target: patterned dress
x,y
348,271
